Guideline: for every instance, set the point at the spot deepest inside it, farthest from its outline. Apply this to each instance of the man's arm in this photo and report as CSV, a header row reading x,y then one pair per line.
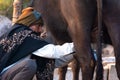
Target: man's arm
x,y
55,51
64,60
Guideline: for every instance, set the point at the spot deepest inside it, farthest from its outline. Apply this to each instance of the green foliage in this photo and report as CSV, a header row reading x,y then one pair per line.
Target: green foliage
x,y
26,3
6,7
4,4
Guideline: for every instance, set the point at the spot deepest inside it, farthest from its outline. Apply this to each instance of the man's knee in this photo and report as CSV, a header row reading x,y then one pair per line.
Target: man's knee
x,y
30,65
23,70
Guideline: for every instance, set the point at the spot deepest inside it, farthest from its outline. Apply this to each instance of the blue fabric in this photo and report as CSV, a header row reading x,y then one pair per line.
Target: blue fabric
x,y
36,14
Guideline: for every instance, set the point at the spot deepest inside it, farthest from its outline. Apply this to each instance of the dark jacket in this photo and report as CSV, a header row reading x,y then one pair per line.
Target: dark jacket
x,y
17,43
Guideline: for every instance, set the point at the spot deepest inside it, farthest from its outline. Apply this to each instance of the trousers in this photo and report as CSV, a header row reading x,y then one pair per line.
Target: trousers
x,y
23,70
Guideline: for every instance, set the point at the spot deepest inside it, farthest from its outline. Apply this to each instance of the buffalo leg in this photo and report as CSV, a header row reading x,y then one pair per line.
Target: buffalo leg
x,y
111,15
62,73
75,69
80,20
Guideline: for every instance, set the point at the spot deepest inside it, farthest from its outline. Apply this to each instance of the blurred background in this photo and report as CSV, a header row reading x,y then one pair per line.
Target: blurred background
x,y
6,7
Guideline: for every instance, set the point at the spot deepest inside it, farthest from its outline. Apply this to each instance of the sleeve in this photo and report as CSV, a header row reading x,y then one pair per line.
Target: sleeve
x,y
55,51
64,60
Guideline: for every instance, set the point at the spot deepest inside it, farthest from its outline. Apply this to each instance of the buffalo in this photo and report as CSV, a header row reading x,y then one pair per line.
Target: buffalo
x,y
74,20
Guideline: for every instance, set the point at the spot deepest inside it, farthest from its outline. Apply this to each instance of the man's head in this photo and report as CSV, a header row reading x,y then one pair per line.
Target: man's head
x,y
31,18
